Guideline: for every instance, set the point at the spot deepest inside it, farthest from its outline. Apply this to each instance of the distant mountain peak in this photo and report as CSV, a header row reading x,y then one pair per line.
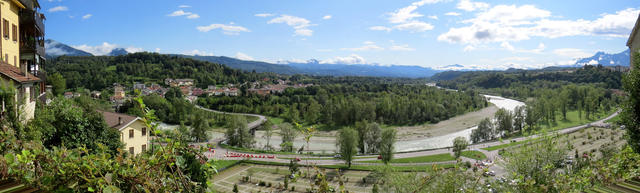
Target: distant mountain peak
x,y
55,49
118,52
606,59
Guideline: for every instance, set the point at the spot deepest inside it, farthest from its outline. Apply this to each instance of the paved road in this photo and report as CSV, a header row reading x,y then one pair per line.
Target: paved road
x,y
252,125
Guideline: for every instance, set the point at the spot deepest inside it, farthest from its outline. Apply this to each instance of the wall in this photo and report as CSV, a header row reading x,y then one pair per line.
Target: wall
x,y
10,11
138,140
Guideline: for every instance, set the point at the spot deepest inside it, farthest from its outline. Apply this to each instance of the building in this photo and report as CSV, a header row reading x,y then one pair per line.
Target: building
x,y
634,41
178,82
32,51
133,131
138,86
12,68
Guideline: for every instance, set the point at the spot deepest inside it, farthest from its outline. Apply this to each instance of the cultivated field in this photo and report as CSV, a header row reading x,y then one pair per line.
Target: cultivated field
x,y
273,176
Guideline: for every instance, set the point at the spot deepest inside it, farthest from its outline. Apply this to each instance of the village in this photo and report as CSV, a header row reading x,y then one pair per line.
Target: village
x,y
189,90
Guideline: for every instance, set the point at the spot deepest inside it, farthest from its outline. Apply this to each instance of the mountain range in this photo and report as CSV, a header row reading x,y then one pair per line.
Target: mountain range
x,y
315,67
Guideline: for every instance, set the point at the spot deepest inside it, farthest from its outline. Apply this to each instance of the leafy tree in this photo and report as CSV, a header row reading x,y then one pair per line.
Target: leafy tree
x,y
504,121
58,83
631,106
288,134
386,147
199,127
267,126
238,134
373,137
459,145
63,124
173,93
535,163
347,142
484,132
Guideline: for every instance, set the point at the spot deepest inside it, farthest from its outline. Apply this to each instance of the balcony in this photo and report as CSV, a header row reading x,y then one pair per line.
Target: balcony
x,y
30,45
32,22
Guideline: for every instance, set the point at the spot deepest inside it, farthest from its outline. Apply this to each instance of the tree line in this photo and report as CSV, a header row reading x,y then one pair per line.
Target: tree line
x,y
346,104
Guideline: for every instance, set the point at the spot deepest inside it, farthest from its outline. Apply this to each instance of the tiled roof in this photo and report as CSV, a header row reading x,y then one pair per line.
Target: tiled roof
x,y
113,119
15,74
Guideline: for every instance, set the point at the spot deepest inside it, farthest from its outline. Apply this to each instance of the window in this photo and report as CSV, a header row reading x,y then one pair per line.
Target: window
x,y
144,148
14,32
130,133
5,28
131,150
144,131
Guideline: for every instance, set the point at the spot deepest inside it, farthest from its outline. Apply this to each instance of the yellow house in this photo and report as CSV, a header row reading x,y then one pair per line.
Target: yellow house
x,y
634,42
11,68
133,132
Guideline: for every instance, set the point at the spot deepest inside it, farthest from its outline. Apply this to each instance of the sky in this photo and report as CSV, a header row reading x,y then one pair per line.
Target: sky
x,y
430,33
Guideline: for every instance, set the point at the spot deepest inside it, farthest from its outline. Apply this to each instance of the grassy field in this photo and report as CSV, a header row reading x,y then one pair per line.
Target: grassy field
x,y
223,164
275,120
474,155
497,147
574,120
421,159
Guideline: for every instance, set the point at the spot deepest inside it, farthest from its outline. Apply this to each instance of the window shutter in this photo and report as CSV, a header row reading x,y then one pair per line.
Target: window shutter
x,y
15,32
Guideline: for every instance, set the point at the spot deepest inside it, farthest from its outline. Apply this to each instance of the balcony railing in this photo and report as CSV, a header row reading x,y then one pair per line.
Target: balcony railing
x,y
29,18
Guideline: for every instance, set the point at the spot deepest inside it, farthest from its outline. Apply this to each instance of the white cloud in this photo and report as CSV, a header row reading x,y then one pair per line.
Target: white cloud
x,y
507,45
571,53
184,6
452,14
300,25
243,56
226,29
181,12
327,17
468,5
98,50
510,23
380,28
351,59
58,8
469,48
403,47
367,46
433,17
134,49
197,53
405,18
87,16
414,26
263,15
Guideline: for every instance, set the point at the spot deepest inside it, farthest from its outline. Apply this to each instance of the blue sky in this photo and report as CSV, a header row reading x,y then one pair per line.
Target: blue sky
x,y
430,33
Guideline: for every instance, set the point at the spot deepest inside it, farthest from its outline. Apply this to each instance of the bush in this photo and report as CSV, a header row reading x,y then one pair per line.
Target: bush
x,y
261,183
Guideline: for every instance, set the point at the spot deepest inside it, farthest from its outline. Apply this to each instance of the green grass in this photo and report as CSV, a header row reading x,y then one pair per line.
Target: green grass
x,y
245,150
111,68
497,147
224,164
574,120
615,119
311,158
275,120
474,155
421,159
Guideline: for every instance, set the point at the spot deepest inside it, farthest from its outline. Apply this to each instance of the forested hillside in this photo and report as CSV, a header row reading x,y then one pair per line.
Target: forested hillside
x,y
99,72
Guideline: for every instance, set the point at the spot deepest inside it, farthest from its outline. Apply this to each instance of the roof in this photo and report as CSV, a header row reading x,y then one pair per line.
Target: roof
x,y
113,119
633,32
15,74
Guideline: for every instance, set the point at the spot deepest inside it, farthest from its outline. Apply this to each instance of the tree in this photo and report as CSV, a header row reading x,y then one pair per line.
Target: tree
x,y
267,126
199,127
173,93
459,145
235,188
64,124
535,163
58,83
386,147
288,135
373,137
238,134
484,132
347,143
504,121
631,106
518,118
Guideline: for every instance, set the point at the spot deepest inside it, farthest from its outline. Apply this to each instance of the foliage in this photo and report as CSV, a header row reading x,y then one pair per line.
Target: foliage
x,y
347,143
631,107
63,124
459,145
238,134
387,142
484,132
535,164
199,127
345,104
288,134
58,83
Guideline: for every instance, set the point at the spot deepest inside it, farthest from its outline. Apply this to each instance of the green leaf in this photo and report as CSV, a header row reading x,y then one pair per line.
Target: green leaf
x,y
90,189
111,189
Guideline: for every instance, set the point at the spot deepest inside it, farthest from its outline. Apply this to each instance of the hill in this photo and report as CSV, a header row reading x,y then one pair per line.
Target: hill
x,y
55,49
619,59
